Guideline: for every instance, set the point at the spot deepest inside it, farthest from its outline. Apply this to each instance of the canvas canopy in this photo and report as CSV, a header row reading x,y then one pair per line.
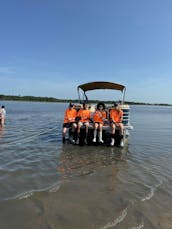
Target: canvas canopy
x,y
101,85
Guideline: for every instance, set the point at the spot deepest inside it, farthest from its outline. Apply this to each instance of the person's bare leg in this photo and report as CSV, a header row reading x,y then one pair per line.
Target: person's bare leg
x,y
113,133
95,131
100,133
3,121
64,133
121,129
74,126
79,128
78,132
86,131
71,135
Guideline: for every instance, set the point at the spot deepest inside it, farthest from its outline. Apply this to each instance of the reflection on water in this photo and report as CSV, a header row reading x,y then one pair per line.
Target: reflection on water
x,y
79,161
1,132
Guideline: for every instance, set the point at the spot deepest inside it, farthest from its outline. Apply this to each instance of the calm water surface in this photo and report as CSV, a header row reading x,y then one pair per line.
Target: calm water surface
x,y
46,185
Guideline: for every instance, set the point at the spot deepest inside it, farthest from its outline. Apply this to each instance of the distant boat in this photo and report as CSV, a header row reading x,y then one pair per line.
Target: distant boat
x,y
106,127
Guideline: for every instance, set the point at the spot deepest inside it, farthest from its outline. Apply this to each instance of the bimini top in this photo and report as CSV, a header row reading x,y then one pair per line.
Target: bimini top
x,y
101,85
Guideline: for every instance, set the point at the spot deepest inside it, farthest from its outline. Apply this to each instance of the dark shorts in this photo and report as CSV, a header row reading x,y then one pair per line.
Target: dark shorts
x,y
68,124
116,123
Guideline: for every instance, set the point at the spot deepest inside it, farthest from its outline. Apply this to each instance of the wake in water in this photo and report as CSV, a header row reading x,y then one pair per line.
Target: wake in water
x,y
116,221
152,191
31,137
139,226
25,195
124,213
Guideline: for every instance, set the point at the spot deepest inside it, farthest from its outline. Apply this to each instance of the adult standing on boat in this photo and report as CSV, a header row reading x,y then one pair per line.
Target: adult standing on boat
x,y
69,120
99,118
2,116
116,116
84,116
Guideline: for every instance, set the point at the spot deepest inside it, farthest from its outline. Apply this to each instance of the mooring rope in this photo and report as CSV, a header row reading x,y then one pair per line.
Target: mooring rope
x,y
29,138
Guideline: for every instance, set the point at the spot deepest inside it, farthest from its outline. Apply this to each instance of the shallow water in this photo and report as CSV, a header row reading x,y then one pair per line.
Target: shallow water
x,y
44,184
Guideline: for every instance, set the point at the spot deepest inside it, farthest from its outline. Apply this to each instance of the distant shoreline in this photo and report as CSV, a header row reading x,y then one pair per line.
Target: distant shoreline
x,y
55,100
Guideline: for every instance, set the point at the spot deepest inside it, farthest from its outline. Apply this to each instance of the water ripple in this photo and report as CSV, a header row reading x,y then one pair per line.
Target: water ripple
x,y
117,220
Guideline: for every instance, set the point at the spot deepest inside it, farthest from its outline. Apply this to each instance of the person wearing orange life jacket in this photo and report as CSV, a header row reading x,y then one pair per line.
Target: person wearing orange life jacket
x,y
99,117
116,116
69,120
83,116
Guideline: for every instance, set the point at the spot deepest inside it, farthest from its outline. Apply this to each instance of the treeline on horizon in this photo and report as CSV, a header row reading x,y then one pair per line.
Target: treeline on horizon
x,y
51,99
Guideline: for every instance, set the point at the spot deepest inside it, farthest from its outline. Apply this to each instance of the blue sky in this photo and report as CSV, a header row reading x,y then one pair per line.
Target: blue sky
x,y
47,48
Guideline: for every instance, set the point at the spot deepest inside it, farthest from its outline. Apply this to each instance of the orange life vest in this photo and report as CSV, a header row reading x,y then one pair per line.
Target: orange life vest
x,y
116,115
70,115
99,116
84,115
